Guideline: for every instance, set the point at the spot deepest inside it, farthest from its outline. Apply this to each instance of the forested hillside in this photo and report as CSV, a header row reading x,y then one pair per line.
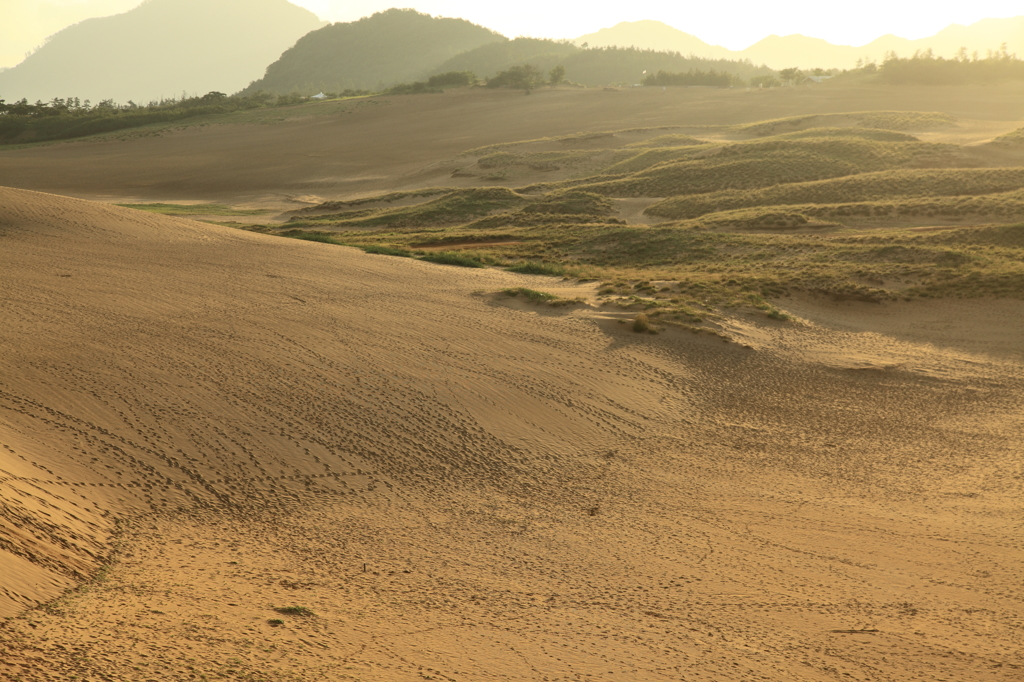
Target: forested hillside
x,y
371,54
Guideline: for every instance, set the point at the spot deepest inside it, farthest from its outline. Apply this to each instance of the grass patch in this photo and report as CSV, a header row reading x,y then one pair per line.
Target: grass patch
x,y
453,258
883,120
387,251
295,611
196,209
806,204
1014,139
642,323
455,207
311,236
535,268
866,187
531,295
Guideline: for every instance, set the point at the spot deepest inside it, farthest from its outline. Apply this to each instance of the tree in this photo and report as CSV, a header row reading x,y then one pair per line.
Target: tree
x,y
557,75
525,77
790,74
452,79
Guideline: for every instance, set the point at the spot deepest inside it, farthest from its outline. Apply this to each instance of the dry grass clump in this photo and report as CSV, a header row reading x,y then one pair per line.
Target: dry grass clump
x,y
538,297
642,323
453,207
884,120
674,140
763,163
866,187
1014,139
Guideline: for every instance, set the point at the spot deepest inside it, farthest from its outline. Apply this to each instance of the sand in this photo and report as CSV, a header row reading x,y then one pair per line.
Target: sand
x,y
459,487
392,143
200,425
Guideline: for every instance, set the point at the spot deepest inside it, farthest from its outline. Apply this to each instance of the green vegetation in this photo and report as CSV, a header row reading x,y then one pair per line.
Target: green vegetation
x,y
453,207
63,119
452,79
376,52
761,163
593,66
387,251
866,188
535,268
294,611
60,119
641,323
692,77
879,120
924,68
531,295
540,297
453,258
523,77
856,210
196,209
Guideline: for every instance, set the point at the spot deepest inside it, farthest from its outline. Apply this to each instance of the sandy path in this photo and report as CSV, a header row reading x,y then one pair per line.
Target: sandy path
x,y
534,495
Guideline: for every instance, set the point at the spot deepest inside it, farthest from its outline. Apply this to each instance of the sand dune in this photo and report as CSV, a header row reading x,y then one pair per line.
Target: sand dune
x,y
457,488
359,148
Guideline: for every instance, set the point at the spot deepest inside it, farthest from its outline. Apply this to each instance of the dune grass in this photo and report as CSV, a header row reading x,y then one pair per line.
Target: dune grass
x,y
884,120
840,210
866,187
453,258
196,209
452,207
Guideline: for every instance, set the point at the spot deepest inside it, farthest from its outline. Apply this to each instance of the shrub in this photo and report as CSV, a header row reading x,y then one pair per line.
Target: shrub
x,y
524,77
387,251
531,295
534,268
313,237
452,79
641,323
452,258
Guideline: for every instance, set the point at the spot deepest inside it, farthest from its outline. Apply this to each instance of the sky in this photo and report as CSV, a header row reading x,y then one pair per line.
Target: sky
x,y
737,24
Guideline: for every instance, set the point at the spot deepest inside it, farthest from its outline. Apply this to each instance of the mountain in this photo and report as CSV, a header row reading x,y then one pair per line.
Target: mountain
x,y
159,49
488,60
389,47
781,52
592,66
654,35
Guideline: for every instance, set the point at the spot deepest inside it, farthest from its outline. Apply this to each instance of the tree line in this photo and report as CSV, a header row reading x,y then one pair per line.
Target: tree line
x,y
66,118
924,68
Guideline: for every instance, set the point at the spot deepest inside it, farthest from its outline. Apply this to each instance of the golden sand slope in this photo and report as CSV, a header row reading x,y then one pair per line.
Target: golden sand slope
x,y
462,490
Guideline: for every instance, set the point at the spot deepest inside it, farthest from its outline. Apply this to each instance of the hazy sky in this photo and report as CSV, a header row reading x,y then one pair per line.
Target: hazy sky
x,y
736,24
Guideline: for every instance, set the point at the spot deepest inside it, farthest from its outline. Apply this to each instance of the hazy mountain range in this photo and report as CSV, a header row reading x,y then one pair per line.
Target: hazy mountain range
x,y
159,49
780,52
165,47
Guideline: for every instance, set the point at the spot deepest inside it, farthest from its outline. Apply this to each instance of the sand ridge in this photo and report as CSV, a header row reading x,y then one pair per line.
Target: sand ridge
x,y
461,489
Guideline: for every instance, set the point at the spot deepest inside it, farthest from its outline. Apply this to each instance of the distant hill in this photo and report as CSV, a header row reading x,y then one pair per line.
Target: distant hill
x,y
610,65
781,52
160,49
375,52
654,35
488,60
592,66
